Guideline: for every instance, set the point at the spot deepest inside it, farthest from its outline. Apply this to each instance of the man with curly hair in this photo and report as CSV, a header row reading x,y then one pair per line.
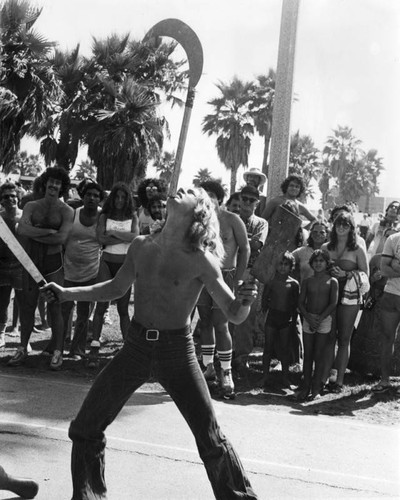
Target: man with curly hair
x,y
169,270
147,190
44,228
292,188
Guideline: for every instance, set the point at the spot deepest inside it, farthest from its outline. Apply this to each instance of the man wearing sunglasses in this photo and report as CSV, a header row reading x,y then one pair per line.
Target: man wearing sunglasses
x,y
257,229
10,268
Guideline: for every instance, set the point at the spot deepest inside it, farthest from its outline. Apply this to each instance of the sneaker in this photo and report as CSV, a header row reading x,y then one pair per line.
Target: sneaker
x,y
2,340
227,385
210,373
107,319
19,357
75,357
41,328
56,360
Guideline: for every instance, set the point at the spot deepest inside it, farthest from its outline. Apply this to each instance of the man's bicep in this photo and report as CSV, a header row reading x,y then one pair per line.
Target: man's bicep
x,y
239,230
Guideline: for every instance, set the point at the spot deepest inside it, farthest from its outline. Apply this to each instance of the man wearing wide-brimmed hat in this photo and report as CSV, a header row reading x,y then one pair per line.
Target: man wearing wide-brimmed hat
x,y
254,177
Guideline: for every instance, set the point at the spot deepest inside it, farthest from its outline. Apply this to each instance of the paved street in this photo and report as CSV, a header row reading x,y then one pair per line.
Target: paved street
x,y
151,453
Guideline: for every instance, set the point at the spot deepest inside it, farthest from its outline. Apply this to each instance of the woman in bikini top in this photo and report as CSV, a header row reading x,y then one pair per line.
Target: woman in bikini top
x,y
346,256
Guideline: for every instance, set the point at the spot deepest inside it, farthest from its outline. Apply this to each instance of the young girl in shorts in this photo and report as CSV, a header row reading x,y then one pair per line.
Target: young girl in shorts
x,y
318,300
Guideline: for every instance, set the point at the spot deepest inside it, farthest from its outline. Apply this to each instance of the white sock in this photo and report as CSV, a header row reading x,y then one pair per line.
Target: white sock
x,y
225,358
207,353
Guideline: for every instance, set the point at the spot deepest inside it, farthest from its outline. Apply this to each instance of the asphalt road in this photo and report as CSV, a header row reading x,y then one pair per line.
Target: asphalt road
x,y
151,453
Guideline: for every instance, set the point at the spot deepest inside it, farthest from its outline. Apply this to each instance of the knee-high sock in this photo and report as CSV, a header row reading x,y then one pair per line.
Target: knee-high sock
x,y
207,353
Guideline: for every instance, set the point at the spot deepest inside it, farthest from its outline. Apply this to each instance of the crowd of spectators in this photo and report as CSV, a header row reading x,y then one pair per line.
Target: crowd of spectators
x,y
318,289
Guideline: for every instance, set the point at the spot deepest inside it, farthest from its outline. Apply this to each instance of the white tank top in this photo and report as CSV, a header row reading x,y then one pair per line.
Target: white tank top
x,y
82,252
118,225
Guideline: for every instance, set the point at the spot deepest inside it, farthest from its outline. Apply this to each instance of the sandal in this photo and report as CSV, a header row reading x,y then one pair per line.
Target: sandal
x,y
381,387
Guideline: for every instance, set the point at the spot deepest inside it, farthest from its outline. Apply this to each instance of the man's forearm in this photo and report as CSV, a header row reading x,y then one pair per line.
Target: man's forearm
x,y
100,292
389,272
242,260
33,232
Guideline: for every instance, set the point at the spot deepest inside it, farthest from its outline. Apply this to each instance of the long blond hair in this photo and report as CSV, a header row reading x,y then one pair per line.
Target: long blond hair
x,y
204,231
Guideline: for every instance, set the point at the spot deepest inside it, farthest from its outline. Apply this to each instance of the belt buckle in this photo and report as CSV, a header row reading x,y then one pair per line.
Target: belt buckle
x,y
152,335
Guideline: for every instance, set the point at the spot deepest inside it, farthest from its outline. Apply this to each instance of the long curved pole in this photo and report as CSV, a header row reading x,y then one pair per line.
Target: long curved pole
x,y
187,38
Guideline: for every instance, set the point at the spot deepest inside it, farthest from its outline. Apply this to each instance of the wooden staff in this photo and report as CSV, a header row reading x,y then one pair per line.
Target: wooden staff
x,y
190,42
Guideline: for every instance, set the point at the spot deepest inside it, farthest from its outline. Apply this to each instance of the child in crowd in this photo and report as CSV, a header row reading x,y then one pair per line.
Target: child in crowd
x,y
280,299
318,300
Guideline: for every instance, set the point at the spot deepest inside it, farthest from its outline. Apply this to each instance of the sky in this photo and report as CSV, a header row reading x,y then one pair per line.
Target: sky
x,y
347,66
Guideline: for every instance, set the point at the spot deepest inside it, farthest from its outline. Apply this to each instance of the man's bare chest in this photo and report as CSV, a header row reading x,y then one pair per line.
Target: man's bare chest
x,y
47,217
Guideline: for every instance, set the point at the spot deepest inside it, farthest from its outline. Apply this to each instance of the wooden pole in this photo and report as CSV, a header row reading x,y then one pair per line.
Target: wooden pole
x,y
280,141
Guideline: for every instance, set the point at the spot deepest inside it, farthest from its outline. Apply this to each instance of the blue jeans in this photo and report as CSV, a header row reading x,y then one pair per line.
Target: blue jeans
x,y
172,360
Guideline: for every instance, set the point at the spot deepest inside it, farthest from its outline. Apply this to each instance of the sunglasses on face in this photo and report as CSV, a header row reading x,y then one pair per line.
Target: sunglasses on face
x,y
343,223
149,188
8,196
247,199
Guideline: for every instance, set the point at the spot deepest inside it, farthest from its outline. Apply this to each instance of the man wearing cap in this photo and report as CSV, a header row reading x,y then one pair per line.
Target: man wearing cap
x,y
257,229
254,177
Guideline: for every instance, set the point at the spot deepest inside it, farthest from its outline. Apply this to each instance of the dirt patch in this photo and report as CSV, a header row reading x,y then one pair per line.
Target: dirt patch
x,y
355,402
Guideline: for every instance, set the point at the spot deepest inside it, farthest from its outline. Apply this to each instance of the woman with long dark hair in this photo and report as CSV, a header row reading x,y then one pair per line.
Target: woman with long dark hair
x,y
350,268
116,229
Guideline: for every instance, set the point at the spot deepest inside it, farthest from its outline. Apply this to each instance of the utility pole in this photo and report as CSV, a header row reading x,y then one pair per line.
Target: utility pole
x,y
280,141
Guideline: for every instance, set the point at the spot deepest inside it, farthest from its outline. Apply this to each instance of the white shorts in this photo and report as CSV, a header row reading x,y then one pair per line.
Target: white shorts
x,y
324,327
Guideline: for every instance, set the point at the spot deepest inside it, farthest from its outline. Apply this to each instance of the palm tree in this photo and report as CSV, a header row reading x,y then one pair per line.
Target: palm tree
x,y
60,134
355,170
362,178
165,165
341,152
262,107
124,136
24,164
86,169
101,96
28,87
202,175
233,125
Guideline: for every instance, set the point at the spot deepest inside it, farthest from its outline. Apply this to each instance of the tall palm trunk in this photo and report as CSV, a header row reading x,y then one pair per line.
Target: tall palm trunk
x,y
233,179
267,140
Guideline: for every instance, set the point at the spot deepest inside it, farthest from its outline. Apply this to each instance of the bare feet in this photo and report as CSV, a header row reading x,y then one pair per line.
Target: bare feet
x,y
21,487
